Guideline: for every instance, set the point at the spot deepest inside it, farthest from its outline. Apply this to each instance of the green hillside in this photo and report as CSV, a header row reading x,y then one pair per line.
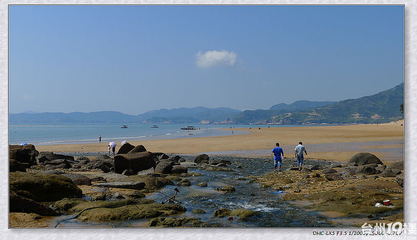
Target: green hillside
x,y
379,108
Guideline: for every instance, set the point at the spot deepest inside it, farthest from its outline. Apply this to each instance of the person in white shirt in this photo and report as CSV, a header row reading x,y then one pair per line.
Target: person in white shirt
x,y
299,154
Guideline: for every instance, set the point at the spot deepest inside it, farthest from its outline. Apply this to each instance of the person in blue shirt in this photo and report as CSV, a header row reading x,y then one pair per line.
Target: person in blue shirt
x,y
277,157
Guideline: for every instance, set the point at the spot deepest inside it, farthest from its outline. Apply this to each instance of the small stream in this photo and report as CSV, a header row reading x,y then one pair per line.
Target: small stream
x,y
271,210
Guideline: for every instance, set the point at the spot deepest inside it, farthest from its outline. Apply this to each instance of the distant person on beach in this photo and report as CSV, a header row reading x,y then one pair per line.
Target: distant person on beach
x,y
277,157
113,149
99,139
299,154
108,149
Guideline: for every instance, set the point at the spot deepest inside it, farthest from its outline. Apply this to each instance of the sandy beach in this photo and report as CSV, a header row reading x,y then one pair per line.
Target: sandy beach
x,y
336,143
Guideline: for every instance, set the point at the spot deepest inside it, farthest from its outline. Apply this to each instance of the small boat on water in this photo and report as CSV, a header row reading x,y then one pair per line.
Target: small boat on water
x,y
124,126
155,126
189,128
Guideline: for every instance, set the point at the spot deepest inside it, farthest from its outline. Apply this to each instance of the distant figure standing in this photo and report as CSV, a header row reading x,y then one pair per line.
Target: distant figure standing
x,y
299,154
277,157
99,139
108,149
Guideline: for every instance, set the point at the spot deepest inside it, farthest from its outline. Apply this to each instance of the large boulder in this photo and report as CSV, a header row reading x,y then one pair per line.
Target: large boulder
x,y
134,161
43,187
103,162
22,204
202,158
54,161
364,159
178,169
164,167
22,157
125,148
137,149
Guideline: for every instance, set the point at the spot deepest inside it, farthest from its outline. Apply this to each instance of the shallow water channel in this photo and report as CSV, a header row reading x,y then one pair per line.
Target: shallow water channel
x,y
271,210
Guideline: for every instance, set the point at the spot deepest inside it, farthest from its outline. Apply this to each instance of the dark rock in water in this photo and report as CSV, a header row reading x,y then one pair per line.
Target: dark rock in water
x,y
43,187
78,179
203,158
184,182
164,167
128,185
216,162
22,157
198,211
243,214
125,148
228,189
137,149
223,212
175,159
153,182
368,169
364,159
22,204
177,169
135,161
202,184
400,179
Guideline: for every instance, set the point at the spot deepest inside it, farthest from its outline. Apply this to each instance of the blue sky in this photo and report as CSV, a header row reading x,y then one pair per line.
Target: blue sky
x,y
134,59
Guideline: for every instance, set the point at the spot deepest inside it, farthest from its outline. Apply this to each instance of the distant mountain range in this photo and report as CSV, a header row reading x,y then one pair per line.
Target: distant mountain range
x,y
378,108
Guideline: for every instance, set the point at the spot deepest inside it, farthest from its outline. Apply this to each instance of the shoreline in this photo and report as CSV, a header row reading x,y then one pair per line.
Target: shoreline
x,y
322,142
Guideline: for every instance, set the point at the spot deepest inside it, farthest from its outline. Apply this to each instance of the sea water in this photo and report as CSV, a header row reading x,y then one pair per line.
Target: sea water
x,y
46,134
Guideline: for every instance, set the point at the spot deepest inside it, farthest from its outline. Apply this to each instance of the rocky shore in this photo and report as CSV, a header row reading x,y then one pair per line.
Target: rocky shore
x,y
49,189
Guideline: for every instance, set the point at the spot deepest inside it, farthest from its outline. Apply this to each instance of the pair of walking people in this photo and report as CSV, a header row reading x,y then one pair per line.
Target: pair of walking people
x,y
298,153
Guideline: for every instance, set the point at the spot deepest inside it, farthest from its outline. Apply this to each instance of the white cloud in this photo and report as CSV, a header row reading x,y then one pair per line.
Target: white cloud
x,y
215,58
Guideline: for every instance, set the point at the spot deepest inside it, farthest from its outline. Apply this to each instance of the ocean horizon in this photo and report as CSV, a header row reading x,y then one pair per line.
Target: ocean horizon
x,y
49,134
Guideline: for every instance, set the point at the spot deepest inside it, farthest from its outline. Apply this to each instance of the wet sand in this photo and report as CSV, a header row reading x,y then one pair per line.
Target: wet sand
x,y
336,143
